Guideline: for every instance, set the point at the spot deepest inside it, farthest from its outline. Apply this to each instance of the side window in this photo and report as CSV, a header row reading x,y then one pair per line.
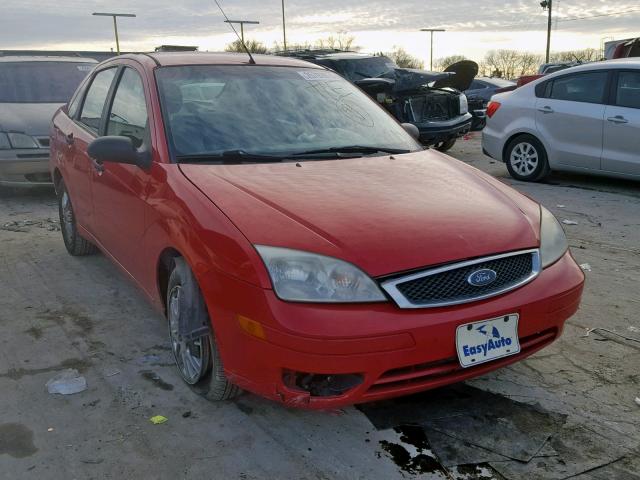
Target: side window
x,y
75,100
95,98
128,115
582,87
628,91
477,85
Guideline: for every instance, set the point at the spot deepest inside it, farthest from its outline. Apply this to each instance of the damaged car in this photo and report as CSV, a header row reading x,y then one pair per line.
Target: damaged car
x,y
301,244
432,101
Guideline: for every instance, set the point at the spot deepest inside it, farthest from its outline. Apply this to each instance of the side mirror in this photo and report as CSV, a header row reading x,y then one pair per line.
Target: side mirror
x,y
118,149
412,130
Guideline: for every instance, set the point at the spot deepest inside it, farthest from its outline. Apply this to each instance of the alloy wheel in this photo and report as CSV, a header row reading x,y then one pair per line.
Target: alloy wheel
x,y
192,357
524,159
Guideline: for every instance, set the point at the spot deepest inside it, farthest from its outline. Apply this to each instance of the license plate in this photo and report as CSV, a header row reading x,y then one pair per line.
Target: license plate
x,y
481,342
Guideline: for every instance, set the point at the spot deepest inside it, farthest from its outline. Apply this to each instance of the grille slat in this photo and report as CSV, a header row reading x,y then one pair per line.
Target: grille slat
x,y
448,285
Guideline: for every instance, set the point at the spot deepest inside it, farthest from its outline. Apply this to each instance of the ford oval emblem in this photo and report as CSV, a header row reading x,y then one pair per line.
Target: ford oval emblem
x,y
482,278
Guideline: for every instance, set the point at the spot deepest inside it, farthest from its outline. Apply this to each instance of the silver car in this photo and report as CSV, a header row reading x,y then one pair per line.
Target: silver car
x,y
31,90
582,119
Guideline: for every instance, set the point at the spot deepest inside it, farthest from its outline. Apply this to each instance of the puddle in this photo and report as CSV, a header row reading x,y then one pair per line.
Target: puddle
x,y
418,461
156,380
16,440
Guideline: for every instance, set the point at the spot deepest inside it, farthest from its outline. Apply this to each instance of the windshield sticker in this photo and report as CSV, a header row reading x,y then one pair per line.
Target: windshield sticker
x,y
315,75
84,68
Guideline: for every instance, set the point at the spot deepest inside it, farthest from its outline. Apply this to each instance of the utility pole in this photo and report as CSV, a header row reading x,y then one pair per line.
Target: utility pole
x,y
242,24
547,5
115,24
284,28
431,30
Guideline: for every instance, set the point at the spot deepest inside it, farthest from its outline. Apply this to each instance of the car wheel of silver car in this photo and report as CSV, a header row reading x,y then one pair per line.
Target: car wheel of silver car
x,y
75,244
526,159
192,341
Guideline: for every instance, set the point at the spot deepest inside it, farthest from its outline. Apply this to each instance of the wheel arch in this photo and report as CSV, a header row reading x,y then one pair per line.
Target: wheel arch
x,y
57,178
164,265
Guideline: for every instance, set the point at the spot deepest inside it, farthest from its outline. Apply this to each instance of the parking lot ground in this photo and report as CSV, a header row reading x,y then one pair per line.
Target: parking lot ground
x,y
59,312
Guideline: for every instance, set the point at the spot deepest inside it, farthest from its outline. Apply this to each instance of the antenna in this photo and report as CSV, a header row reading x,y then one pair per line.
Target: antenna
x,y
251,60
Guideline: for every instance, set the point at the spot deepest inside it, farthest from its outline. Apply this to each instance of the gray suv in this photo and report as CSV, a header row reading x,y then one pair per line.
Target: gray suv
x,y
31,90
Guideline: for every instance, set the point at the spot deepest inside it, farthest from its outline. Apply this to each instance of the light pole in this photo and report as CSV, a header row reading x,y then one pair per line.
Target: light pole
x,y
431,30
115,23
284,28
242,24
547,5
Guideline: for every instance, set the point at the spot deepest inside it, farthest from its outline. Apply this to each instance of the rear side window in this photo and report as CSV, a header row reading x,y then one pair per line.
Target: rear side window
x,y
128,116
477,85
95,99
628,91
583,87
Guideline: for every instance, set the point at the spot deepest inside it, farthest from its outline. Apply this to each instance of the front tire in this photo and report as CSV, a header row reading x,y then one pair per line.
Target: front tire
x,y
198,360
75,244
445,145
526,159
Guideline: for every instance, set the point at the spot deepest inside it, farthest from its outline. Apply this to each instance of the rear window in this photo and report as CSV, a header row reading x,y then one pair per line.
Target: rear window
x,y
628,91
41,82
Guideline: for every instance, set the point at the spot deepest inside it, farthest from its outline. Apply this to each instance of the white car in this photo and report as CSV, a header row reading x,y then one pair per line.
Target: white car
x,y
582,119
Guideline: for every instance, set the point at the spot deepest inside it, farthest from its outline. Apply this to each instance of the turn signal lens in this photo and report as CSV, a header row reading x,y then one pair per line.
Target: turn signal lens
x,y
252,327
492,108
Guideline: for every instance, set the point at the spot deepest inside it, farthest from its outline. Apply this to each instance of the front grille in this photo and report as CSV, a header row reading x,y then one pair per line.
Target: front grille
x,y
449,285
44,142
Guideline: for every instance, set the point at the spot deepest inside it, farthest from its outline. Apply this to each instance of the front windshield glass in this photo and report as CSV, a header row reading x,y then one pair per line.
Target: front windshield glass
x,y
41,82
211,109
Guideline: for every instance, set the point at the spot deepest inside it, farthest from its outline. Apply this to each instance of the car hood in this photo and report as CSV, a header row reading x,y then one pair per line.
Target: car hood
x,y
383,214
463,74
30,118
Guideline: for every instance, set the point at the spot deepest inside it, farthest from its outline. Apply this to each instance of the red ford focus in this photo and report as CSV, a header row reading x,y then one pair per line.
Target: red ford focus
x,y
301,243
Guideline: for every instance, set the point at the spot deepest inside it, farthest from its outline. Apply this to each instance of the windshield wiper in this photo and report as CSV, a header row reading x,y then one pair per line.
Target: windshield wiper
x,y
230,156
363,149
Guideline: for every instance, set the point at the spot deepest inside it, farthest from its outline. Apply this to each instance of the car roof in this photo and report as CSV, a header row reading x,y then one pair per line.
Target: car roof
x,y
604,65
207,58
45,58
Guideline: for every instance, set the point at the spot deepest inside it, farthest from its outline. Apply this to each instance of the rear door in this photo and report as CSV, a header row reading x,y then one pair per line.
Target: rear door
x,y
569,118
82,132
621,152
119,190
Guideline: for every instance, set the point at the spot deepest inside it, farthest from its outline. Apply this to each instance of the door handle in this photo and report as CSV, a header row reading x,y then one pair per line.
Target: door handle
x,y
617,119
98,166
545,109
69,138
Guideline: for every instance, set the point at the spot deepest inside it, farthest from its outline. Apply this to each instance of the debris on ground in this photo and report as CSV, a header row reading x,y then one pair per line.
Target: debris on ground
x,y
560,206
186,414
611,332
637,401
67,382
158,419
569,222
22,226
586,267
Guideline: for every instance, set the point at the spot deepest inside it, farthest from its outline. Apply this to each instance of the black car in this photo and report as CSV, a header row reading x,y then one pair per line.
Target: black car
x,y
479,94
432,101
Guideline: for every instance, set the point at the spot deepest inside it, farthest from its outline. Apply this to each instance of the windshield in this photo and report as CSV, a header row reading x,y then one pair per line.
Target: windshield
x,y
40,82
369,67
270,111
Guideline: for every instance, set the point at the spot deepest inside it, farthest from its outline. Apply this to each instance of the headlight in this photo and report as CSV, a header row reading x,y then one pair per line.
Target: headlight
x,y
464,104
20,140
553,241
307,277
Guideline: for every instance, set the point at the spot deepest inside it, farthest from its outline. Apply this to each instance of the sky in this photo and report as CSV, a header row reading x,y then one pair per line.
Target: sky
x,y
472,26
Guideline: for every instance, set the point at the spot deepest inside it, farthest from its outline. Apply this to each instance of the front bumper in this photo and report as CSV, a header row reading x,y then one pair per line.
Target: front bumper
x,y
432,133
397,352
24,168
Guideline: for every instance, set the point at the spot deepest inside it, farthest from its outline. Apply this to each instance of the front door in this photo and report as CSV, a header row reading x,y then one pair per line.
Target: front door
x,y
570,119
621,152
119,190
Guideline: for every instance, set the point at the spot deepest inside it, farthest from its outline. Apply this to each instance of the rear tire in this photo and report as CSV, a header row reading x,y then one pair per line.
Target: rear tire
x,y
198,360
73,241
446,145
526,159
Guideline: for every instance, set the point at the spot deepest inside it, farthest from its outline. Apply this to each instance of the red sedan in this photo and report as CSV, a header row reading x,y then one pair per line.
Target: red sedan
x,y
301,243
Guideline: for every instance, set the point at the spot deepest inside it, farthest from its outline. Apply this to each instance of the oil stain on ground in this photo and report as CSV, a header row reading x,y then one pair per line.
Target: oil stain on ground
x,y
154,378
16,440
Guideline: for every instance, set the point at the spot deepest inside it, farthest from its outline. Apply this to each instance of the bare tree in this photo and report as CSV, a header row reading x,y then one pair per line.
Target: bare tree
x,y
586,55
340,41
510,63
404,59
443,63
252,45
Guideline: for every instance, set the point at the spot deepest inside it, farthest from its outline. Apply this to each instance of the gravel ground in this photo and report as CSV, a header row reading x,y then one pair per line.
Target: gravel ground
x,y
59,312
